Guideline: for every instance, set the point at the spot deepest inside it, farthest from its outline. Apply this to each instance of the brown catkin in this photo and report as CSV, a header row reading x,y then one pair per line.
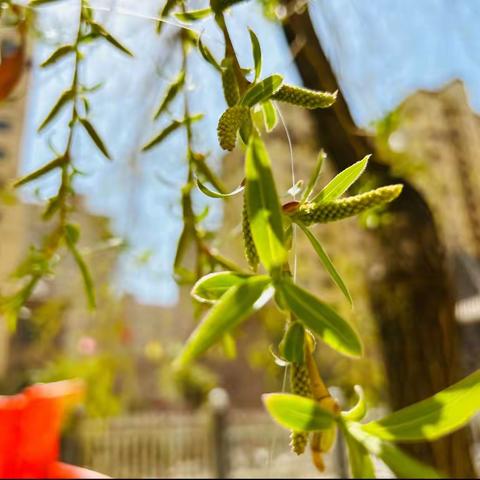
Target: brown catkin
x,y
229,83
346,207
304,97
249,247
229,124
299,385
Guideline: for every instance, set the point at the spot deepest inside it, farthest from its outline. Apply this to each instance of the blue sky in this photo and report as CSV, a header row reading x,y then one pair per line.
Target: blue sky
x,y
382,51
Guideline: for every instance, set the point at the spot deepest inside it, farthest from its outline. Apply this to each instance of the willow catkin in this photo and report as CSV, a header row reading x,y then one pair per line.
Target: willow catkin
x,y
346,207
305,97
229,83
300,385
248,245
229,124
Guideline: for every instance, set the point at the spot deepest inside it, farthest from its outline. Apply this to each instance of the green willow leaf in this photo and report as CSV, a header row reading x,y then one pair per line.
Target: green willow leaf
x,y
359,410
210,193
213,286
359,459
36,3
327,263
262,91
90,129
342,182
100,30
193,15
321,319
71,237
263,206
64,98
433,417
235,306
401,464
175,125
270,118
167,8
55,163
171,93
297,413
207,55
292,345
57,55
257,54
312,182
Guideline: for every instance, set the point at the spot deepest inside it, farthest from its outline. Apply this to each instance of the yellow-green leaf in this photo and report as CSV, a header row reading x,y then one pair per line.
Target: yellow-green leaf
x,y
263,206
342,182
433,417
262,91
401,464
213,286
236,305
64,98
90,129
193,15
297,413
59,53
359,410
257,54
327,263
321,319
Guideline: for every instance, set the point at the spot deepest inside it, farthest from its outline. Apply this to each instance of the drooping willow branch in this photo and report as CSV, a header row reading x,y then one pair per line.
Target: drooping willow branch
x,y
41,259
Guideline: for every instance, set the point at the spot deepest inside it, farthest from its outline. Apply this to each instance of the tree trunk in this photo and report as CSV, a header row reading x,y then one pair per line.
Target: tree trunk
x,y
410,289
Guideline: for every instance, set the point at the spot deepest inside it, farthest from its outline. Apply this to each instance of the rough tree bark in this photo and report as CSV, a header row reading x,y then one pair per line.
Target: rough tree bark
x,y
410,289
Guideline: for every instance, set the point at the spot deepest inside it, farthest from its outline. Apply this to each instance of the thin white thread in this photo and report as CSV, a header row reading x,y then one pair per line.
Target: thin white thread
x,y
273,445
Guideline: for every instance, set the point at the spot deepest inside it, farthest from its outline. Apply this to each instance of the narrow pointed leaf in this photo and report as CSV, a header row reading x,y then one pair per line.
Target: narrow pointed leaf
x,y
36,3
269,115
210,193
64,98
297,413
100,29
90,129
193,15
174,125
312,182
263,206
401,464
55,163
433,417
236,305
57,55
359,410
262,91
257,54
171,93
342,182
213,286
71,238
321,319
292,345
359,458
327,263
208,56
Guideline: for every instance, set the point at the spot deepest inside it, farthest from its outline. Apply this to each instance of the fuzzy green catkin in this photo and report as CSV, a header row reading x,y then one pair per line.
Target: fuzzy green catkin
x,y
305,97
229,83
229,124
346,207
300,385
249,247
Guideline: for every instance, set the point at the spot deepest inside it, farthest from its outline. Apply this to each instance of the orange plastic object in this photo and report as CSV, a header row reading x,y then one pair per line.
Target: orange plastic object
x,y
30,425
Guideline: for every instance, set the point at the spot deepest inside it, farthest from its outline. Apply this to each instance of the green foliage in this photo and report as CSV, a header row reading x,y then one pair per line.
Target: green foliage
x,y
237,304
212,287
262,91
321,319
433,417
297,413
263,207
